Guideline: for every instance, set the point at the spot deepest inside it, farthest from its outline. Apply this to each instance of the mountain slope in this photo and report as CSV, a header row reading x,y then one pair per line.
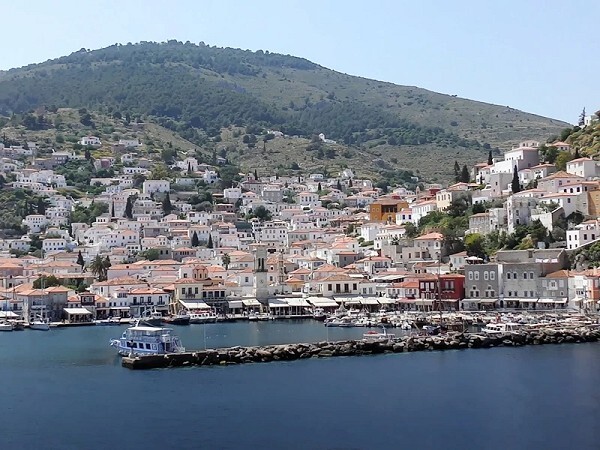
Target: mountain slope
x,y
196,90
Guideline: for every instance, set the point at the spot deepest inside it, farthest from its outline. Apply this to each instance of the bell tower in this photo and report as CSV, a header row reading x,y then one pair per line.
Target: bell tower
x,y
261,286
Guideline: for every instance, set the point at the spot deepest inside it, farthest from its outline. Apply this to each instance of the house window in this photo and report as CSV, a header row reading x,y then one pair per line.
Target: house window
x,y
329,287
531,275
492,275
470,275
485,275
476,275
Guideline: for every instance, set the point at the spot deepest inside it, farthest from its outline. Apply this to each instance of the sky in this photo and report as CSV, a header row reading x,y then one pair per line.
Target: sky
x,y
538,56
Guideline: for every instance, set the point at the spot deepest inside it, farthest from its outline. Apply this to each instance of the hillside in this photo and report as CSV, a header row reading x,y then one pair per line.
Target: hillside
x,y
198,91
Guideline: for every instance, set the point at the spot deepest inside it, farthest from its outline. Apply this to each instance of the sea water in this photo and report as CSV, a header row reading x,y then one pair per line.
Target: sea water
x,y
65,389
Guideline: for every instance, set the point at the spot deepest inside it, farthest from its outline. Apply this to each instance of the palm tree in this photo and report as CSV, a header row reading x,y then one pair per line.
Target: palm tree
x,y
97,268
226,259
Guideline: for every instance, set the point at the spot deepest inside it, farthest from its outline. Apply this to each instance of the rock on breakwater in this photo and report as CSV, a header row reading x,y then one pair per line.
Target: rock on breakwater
x,y
291,352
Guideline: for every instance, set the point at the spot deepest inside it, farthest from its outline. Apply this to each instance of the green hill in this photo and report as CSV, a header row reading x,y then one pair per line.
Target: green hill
x,y
198,91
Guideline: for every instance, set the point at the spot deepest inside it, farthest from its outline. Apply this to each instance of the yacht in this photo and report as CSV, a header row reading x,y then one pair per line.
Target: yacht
x,y
203,317
40,325
6,326
146,340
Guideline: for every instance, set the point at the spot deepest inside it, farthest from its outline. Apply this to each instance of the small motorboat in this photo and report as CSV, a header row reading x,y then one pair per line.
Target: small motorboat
x,y
177,319
111,321
375,336
319,314
6,326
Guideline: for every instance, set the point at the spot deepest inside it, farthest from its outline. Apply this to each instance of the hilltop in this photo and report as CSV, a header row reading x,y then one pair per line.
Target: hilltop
x,y
206,95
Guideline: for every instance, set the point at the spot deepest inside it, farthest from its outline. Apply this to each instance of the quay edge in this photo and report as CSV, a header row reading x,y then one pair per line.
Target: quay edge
x,y
290,352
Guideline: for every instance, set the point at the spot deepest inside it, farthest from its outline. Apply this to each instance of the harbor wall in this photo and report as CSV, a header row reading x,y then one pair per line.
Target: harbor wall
x,y
291,352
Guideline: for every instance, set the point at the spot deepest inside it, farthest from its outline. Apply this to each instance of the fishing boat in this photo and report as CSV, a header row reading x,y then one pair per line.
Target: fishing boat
x,y
319,314
144,340
154,318
501,328
177,319
203,317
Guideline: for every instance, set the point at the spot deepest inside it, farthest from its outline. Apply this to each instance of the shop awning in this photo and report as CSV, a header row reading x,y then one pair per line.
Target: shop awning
x,y
8,314
300,302
194,305
488,300
546,300
278,305
526,300
235,304
386,301
368,301
474,300
120,308
322,302
424,302
79,311
251,302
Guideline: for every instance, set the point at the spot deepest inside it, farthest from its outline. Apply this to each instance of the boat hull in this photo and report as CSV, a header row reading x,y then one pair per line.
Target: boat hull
x,y
177,320
39,326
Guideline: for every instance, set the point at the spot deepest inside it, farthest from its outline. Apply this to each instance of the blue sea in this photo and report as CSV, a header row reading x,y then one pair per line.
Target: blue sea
x,y
65,389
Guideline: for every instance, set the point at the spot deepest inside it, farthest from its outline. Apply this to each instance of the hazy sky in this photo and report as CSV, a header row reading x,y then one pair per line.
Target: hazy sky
x,y
539,56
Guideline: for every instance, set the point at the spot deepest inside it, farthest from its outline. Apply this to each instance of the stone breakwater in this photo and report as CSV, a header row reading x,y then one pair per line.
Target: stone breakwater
x,y
291,352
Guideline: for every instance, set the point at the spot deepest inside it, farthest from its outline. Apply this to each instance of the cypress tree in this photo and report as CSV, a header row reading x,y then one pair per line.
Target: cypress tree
x,y
456,171
339,185
195,240
255,174
210,241
129,208
490,159
464,175
166,205
41,206
80,260
319,189
576,154
515,185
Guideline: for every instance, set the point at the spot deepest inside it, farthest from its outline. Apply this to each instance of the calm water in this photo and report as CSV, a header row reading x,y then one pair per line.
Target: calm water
x,y
65,389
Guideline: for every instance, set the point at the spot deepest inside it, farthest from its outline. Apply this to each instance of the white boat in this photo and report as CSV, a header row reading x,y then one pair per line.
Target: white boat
x,y
144,340
319,314
501,328
203,317
6,326
40,325
375,336
405,326
109,321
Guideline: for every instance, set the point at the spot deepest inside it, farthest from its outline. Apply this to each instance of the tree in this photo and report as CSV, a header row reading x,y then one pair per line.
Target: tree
x,y
46,281
456,171
97,268
129,208
262,213
562,159
339,185
464,175
112,209
80,260
474,245
151,254
576,154
195,240
106,264
515,184
226,259
319,188
167,207
210,241
41,206
582,118
350,182
490,159
255,174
